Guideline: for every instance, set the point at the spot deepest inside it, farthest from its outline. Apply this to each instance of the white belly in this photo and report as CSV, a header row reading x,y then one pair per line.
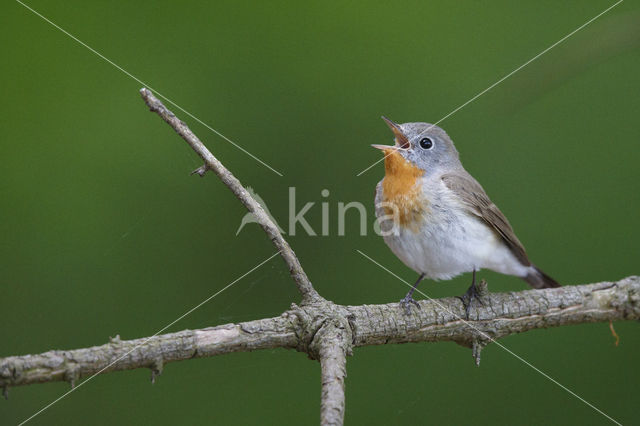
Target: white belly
x,y
451,242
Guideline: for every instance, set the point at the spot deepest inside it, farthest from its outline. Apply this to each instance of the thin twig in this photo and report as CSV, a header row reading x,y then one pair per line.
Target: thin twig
x,y
305,287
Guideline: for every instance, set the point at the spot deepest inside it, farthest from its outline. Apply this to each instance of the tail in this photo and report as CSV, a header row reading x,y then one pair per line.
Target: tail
x,y
538,279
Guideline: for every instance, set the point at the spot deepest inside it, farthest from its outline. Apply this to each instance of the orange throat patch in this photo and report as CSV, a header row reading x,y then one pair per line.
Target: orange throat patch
x,y
401,195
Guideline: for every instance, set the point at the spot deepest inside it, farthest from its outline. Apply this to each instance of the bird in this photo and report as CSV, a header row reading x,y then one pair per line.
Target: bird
x,y
438,220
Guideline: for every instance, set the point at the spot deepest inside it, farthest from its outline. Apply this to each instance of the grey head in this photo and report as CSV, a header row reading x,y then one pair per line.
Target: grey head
x,y
425,145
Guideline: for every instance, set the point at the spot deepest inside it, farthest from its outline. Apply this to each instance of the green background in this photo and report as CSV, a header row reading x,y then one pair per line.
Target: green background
x,y
104,232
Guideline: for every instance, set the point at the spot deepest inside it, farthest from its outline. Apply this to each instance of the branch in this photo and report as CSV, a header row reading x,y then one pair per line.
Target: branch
x,y
330,345
333,361
149,352
503,314
212,163
326,331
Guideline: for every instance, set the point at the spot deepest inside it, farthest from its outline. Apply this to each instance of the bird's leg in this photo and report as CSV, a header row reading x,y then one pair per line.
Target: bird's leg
x,y
472,293
408,299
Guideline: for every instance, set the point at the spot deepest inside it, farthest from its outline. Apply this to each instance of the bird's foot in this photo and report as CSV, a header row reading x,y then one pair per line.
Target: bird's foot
x,y
406,303
474,293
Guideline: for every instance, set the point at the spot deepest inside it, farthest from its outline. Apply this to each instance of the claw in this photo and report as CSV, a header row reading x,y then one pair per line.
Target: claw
x,y
406,303
471,295
408,299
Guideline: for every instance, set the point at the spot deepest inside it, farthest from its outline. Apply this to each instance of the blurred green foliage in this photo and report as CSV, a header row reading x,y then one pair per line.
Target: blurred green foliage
x,y
104,232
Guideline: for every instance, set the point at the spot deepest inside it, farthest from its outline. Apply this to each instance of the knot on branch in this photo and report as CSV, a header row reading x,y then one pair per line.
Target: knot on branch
x,y
156,369
477,340
628,302
321,325
622,296
9,373
71,373
200,171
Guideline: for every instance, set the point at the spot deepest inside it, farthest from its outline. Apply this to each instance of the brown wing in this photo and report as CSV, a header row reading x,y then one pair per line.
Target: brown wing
x,y
479,204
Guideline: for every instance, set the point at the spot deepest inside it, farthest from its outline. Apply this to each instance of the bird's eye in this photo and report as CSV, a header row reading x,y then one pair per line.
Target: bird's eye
x,y
426,143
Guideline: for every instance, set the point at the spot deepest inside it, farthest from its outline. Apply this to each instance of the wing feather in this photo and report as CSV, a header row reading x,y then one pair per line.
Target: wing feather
x,y
479,204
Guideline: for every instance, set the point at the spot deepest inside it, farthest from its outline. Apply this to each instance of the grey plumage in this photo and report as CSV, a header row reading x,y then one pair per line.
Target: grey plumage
x,y
481,236
473,195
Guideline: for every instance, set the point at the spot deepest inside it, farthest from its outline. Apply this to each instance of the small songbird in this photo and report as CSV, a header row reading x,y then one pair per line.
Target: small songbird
x,y
437,218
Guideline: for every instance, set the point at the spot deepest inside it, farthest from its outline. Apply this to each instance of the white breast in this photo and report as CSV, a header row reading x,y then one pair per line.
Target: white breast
x,y
450,241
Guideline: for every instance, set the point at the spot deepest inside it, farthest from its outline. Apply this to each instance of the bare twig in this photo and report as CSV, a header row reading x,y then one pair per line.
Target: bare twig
x,y
324,329
305,287
150,353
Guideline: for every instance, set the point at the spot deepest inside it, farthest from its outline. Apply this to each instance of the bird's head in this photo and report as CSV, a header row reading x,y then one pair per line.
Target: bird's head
x,y
423,145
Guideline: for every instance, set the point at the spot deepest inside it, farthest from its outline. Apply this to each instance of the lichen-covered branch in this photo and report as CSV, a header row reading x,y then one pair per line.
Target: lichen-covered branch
x,y
149,352
324,330
333,362
331,344
502,314
212,163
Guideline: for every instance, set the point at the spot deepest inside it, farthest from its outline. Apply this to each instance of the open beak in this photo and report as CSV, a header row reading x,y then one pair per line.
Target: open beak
x,y
383,147
401,140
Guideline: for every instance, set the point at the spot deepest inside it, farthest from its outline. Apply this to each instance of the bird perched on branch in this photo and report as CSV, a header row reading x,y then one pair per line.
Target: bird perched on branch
x,y
437,218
